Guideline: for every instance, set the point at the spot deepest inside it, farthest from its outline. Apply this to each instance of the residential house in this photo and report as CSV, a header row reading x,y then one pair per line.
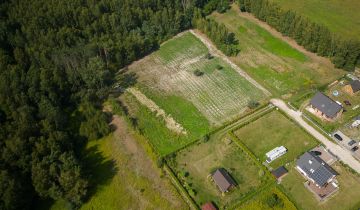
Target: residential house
x,y
325,107
315,169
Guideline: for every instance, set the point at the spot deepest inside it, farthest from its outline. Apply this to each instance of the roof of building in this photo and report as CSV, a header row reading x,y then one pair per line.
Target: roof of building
x,y
279,172
316,168
208,206
355,85
325,104
223,179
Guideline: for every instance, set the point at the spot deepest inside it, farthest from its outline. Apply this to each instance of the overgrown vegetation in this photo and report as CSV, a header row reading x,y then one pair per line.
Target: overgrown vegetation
x,y
218,33
314,37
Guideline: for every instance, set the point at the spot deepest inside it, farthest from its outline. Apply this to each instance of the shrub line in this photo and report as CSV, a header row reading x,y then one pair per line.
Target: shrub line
x,y
180,188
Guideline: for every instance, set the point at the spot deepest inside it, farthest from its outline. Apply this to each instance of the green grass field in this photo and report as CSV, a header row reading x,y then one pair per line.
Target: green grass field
x,y
167,76
340,16
259,202
123,180
273,130
346,198
202,159
271,61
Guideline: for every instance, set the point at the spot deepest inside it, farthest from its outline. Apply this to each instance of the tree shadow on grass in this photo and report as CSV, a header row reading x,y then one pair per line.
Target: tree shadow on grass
x,y
99,169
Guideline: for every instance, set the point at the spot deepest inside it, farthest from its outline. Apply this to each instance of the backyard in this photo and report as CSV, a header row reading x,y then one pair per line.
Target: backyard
x,y
194,164
273,62
276,130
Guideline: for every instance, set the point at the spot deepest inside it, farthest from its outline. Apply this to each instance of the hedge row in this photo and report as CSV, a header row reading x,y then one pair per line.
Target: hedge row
x,y
180,188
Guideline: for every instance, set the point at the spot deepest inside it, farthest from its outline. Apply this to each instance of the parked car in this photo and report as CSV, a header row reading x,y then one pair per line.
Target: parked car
x,y
355,148
338,137
347,103
352,142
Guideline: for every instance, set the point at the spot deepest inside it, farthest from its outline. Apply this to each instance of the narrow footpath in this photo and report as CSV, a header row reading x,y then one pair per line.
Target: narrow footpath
x,y
343,154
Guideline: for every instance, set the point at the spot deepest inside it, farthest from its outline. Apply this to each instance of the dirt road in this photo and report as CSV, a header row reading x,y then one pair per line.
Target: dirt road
x,y
213,50
340,152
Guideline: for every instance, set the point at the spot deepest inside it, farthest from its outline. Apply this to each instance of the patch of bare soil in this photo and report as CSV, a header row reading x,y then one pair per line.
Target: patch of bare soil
x,y
141,164
290,41
169,121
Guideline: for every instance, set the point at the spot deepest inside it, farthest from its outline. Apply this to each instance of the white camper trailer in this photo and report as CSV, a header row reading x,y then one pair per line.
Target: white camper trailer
x,y
275,153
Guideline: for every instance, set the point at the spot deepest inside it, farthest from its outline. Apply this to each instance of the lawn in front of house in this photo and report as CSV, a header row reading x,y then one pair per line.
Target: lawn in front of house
x,y
274,130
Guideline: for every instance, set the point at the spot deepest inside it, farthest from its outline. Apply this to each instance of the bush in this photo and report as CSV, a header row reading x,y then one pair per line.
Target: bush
x,y
192,192
253,104
206,138
274,200
198,73
219,67
209,56
160,162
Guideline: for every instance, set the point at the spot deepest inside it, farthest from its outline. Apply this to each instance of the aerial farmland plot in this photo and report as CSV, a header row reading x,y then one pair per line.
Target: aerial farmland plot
x,y
195,104
277,65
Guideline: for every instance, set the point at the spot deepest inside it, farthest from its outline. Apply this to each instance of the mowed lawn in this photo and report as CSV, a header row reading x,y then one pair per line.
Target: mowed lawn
x,y
271,61
346,198
274,130
340,16
202,159
220,95
122,180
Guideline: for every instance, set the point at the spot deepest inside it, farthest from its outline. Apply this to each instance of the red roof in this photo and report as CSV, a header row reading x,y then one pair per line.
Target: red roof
x,y
208,206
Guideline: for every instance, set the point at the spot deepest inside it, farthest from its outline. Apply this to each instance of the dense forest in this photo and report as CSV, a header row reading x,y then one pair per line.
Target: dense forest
x,y
57,63
316,38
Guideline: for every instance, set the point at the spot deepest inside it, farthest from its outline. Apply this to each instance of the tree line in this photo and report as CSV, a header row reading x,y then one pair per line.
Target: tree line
x,y
344,53
218,33
57,64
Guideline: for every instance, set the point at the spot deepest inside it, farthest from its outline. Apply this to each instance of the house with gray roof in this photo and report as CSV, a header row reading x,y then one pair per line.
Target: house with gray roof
x,y
223,180
325,107
315,169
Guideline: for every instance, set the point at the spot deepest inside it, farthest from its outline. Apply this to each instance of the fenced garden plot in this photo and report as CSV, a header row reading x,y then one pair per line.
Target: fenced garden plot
x,y
194,164
273,130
